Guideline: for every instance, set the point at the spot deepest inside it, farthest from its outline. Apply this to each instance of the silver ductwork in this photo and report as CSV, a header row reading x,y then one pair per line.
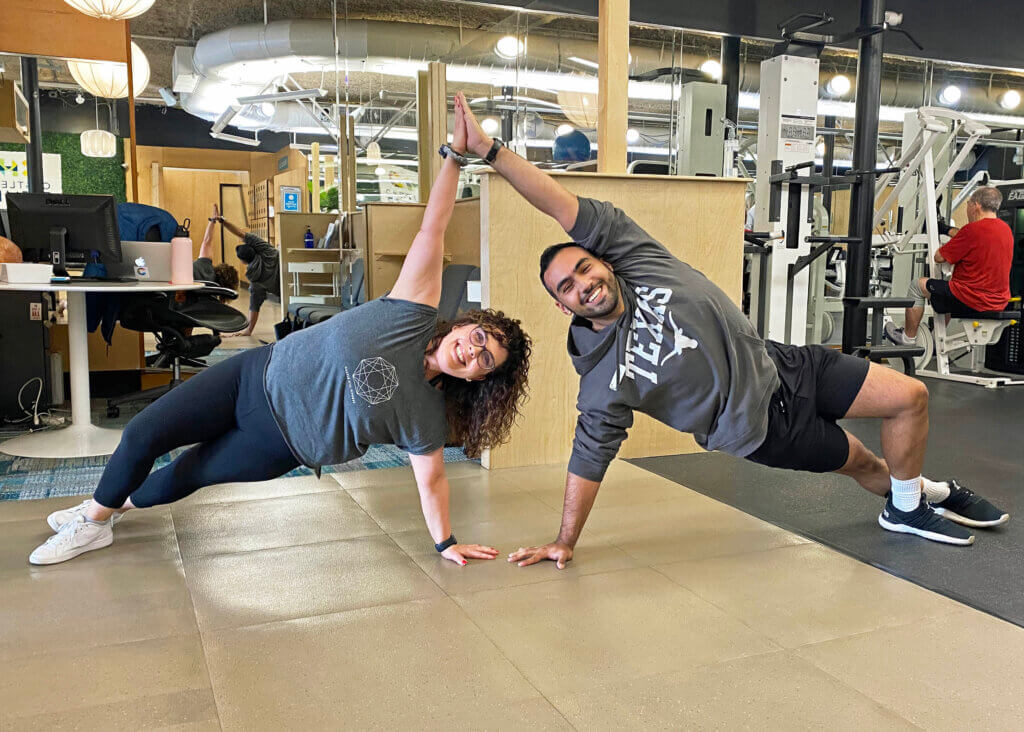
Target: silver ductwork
x,y
242,61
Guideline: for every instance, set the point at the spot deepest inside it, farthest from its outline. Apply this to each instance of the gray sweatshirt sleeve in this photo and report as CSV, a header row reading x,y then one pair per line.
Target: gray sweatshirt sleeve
x,y
609,233
599,433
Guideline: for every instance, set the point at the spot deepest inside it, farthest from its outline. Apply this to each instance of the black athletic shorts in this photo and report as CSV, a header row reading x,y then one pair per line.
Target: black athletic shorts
x,y
944,301
818,386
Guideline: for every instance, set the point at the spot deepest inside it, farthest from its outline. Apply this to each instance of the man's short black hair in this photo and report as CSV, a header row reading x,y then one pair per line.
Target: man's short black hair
x,y
545,260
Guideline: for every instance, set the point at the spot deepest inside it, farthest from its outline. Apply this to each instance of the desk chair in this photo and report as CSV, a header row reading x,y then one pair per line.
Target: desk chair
x,y
171,322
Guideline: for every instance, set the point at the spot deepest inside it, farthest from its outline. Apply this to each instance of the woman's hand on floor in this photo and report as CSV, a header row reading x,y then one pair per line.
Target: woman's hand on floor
x,y
459,553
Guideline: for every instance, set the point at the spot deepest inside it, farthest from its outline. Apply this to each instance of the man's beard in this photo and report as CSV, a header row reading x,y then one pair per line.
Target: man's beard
x,y
606,307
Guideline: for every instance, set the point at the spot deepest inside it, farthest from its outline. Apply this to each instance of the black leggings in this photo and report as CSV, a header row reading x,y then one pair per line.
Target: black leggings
x,y
224,410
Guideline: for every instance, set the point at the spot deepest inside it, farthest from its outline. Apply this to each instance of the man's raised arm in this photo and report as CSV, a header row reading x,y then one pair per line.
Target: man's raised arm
x,y
533,184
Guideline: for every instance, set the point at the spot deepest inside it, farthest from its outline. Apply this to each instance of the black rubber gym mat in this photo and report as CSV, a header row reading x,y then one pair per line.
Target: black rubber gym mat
x,y
977,436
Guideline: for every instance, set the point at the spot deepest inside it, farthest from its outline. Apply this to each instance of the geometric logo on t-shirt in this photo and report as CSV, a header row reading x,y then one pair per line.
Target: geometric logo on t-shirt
x,y
375,380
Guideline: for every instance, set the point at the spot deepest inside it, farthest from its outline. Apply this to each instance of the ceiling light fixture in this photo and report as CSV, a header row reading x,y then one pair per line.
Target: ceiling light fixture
x,y
712,68
632,135
98,144
839,85
112,9
373,153
490,125
950,95
1010,99
509,47
564,129
110,80
267,108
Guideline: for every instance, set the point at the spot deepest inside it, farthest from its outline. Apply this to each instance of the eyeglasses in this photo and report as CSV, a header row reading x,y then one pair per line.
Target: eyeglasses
x,y
478,337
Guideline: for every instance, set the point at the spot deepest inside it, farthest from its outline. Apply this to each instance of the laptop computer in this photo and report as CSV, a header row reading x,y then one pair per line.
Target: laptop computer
x,y
147,261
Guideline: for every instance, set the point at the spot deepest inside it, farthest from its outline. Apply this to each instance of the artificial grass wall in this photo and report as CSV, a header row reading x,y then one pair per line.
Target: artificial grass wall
x,y
79,174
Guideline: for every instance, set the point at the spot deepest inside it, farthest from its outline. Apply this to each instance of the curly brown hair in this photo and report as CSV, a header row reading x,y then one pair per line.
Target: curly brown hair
x,y
481,413
226,276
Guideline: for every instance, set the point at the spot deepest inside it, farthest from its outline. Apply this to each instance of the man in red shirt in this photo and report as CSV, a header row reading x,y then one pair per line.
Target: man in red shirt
x,y
982,252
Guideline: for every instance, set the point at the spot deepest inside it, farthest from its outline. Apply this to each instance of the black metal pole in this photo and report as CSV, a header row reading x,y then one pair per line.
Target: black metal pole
x,y
862,197
731,76
828,163
34,148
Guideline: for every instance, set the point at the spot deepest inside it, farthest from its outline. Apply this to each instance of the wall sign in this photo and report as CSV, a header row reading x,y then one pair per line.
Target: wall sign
x,y
14,174
290,198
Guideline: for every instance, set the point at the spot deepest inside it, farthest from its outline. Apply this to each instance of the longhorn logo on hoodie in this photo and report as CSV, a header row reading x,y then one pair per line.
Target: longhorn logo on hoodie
x,y
646,337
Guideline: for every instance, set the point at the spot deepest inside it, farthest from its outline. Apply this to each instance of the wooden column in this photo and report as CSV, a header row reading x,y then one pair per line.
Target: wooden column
x,y
431,122
613,85
134,166
347,166
330,172
315,155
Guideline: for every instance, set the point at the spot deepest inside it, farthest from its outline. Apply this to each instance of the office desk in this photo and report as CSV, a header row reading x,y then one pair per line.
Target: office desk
x,y
81,438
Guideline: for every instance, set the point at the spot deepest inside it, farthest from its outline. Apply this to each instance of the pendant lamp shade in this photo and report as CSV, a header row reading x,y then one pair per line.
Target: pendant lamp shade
x,y
111,9
98,144
110,80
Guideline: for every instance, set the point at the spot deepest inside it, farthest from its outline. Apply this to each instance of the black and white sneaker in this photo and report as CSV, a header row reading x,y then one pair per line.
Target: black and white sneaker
x,y
923,522
965,507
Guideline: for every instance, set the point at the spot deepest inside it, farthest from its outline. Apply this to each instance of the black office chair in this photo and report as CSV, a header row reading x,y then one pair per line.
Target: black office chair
x,y
171,321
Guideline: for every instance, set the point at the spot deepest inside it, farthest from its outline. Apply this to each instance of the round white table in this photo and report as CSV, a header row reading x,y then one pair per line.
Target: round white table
x,y
81,438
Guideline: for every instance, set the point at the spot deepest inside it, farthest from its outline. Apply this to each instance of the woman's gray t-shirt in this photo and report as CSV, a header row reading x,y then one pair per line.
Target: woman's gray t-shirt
x,y
355,380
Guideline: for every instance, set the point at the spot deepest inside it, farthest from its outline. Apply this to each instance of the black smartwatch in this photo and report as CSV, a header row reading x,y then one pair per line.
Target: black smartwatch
x,y
450,541
493,152
447,151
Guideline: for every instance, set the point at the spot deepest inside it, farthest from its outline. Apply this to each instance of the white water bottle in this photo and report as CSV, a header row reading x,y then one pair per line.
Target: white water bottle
x,y
181,255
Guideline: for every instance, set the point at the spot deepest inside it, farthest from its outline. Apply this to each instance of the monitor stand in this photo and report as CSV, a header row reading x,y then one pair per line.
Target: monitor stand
x,y
59,250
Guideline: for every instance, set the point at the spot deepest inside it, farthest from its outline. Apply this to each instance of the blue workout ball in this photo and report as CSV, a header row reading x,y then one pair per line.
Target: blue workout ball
x,y
571,148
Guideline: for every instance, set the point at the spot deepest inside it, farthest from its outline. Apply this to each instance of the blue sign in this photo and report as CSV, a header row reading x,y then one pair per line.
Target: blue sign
x,y
289,199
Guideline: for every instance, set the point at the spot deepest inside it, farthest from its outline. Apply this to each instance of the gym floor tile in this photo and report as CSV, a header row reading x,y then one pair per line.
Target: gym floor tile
x,y
187,711
804,594
595,556
690,527
277,488
417,665
78,678
43,611
630,486
142,537
567,636
770,691
961,671
248,588
219,528
398,509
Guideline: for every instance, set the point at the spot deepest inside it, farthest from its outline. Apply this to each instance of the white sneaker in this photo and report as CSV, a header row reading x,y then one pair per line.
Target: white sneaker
x,y
75,537
58,518
897,336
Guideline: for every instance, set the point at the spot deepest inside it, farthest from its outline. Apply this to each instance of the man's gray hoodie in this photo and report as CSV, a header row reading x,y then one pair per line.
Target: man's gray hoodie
x,y
681,352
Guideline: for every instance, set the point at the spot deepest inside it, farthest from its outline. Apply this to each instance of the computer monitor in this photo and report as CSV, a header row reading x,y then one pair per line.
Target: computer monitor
x,y
62,229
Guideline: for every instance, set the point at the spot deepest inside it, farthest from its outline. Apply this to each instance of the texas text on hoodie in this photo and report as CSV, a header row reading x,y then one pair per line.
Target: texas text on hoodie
x,y
681,352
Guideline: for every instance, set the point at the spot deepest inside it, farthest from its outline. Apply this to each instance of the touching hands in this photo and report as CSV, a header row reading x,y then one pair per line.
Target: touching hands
x,y
459,553
555,551
459,133
216,214
477,141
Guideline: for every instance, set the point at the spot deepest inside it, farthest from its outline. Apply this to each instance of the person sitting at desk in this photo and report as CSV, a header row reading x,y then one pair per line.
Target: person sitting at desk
x,y
262,269
982,252
203,269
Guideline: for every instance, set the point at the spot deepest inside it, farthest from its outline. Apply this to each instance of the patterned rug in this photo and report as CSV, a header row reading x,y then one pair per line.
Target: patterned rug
x,y
30,478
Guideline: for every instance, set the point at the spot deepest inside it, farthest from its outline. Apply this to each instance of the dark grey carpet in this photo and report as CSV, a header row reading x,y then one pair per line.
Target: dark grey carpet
x,y
977,436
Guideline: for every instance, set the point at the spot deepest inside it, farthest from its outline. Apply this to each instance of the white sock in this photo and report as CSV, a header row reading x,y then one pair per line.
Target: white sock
x,y
906,494
935,492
